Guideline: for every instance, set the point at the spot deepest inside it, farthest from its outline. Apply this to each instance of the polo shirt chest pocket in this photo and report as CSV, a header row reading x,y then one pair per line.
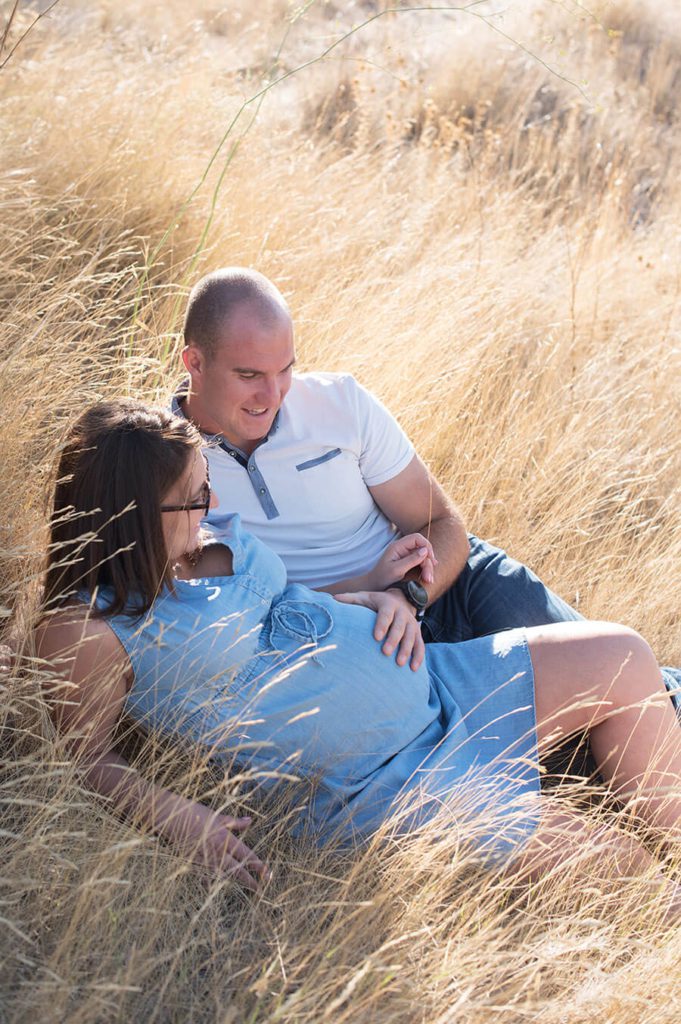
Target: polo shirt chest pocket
x,y
331,497
319,460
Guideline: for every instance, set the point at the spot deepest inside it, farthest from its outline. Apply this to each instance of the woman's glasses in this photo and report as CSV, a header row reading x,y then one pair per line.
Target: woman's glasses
x,y
201,504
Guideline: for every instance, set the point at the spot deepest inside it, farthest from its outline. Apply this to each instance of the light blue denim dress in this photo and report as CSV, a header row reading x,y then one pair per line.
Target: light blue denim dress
x,y
279,678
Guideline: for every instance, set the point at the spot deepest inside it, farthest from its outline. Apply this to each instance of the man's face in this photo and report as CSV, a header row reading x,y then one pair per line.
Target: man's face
x,y
238,391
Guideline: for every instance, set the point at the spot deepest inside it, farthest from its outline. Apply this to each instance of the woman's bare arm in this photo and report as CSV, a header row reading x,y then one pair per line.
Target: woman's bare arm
x,y
89,678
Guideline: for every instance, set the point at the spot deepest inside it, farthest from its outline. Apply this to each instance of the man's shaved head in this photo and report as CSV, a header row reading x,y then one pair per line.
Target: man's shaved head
x,y
239,355
217,296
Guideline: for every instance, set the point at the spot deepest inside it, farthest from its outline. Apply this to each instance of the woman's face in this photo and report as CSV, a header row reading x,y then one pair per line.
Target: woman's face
x,y
181,529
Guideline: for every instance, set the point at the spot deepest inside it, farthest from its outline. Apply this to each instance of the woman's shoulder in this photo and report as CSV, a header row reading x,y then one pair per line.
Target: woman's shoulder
x,y
77,643
85,674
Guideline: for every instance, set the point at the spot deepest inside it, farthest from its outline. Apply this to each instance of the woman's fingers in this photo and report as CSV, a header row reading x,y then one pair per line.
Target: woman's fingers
x,y
246,880
420,544
251,874
427,570
238,851
231,868
236,824
403,545
224,853
412,559
250,860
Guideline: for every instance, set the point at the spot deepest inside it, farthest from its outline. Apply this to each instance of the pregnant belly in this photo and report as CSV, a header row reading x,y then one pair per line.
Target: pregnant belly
x,y
328,697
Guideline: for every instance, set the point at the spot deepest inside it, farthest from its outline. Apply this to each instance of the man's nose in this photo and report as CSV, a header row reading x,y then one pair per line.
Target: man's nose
x,y
269,391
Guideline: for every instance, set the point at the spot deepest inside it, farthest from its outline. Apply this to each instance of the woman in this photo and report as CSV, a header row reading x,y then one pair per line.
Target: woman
x,y
207,642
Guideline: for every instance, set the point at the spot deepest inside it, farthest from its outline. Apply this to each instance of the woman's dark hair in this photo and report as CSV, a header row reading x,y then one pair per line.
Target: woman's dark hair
x,y
118,462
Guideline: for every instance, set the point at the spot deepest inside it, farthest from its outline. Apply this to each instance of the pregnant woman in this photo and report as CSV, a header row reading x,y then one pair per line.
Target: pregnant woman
x,y
205,641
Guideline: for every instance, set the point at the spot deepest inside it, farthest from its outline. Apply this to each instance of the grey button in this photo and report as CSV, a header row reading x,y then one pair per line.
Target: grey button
x,y
251,469
262,490
233,454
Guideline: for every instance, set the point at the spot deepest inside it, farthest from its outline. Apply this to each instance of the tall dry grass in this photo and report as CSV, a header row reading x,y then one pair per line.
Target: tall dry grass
x,y
477,214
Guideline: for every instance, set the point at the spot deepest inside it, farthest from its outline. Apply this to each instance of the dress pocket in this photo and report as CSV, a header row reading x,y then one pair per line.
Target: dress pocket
x,y
304,621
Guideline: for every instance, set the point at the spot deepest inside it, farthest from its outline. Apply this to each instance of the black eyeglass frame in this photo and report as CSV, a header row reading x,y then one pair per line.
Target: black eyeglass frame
x,y
193,506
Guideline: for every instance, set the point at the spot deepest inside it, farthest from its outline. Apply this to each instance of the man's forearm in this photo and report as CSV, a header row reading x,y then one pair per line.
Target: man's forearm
x,y
351,585
449,541
416,503
450,544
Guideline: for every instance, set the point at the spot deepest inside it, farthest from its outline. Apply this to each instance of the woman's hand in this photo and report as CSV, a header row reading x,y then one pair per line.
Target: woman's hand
x,y
410,552
210,842
396,624
88,690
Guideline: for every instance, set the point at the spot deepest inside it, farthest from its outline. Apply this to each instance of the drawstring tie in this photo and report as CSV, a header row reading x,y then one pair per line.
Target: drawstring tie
x,y
304,621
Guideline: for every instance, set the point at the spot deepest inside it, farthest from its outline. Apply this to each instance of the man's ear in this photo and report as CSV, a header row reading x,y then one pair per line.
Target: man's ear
x,y
194,361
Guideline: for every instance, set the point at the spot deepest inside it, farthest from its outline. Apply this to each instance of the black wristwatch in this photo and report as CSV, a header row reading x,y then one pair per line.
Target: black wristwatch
x,y
415,594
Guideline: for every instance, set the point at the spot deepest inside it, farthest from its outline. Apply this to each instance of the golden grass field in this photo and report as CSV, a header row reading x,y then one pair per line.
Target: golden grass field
x,y
475,212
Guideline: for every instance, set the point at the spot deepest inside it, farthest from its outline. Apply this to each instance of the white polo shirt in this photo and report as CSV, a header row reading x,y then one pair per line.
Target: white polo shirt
x,y
304,490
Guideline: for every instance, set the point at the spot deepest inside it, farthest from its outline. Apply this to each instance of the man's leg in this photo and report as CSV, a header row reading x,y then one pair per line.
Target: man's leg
x,y
672,680
492,593
495,592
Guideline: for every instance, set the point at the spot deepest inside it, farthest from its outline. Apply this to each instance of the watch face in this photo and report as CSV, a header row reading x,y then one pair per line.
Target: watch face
x,y
417,594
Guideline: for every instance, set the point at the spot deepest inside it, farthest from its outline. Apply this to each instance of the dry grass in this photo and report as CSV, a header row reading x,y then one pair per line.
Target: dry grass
x,y
493,247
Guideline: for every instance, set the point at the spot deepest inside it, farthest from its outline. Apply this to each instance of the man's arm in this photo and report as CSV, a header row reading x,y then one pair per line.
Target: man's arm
x,y
434,544
414,501
417,505
410,552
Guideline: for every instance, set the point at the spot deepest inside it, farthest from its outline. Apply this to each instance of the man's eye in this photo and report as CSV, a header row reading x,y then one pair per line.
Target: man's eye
x,y
247,376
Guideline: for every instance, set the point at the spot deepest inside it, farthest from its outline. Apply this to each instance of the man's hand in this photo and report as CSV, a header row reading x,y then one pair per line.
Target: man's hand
x,y
414,501
401,556
396,627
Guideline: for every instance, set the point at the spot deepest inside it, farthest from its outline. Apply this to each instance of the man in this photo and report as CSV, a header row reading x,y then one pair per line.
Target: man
x,y
320,471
